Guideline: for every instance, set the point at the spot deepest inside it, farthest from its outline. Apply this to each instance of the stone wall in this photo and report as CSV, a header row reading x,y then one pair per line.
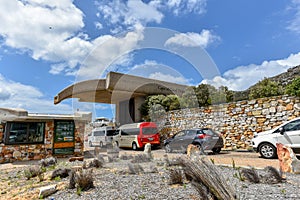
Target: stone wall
x,y
10,153
237,122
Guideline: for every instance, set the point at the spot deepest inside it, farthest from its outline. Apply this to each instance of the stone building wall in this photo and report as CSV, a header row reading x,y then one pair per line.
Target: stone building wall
x,y
239,121
10,153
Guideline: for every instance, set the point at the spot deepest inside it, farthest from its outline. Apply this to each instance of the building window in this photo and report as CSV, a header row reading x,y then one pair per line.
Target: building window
x,y
25,132
64,131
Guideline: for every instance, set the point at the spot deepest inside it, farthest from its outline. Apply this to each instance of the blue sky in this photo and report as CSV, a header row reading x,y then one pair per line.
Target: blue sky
x,y
47,45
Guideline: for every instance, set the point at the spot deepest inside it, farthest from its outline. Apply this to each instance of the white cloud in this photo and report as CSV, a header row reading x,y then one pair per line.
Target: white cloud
x,y
168,78
243,77
50,30
47,30
192,39
99,106
17,95
109,50
153,70
128,14
294,24
181,7
187,6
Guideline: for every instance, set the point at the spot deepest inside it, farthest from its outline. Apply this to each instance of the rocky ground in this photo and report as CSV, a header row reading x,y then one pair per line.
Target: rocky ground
x,y
121,179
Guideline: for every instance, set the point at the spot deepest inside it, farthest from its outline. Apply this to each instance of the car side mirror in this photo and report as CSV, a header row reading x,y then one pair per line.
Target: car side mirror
x,y
281,130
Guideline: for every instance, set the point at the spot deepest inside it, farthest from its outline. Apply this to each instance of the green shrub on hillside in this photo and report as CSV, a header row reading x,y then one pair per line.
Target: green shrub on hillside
x,y
265,88
293,88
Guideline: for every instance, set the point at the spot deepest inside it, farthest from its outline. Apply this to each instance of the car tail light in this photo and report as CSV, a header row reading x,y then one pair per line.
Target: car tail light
x,y
202,136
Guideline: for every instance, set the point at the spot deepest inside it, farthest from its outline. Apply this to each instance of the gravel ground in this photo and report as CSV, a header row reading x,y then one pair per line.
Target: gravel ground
x,y
114,181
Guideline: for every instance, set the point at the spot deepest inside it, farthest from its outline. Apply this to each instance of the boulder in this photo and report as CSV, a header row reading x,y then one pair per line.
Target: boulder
x,y
288,161
147,150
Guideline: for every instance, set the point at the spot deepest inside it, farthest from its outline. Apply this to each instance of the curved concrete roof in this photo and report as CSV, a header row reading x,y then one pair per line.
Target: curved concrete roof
x,y
117,87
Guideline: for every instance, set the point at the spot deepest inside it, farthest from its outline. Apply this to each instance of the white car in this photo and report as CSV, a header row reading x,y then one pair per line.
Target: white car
x,y
101,121
288,134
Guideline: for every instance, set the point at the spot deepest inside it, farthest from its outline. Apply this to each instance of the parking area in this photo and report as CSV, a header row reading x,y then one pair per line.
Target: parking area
x,y
230,158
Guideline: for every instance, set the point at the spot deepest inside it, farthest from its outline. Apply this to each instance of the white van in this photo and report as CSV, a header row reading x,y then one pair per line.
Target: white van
x,y
101,136
137,135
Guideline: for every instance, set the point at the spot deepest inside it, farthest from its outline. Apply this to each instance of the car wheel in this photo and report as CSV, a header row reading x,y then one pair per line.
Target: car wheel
x,y
101,144
168,148
267,150
216,150
134,146
90,144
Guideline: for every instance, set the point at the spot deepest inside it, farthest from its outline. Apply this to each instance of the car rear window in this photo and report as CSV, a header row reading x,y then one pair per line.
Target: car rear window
x,y
111,132
208,132
149,130
99,133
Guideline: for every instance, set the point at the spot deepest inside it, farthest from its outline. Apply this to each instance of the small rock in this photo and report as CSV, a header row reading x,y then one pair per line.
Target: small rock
x,y
47,191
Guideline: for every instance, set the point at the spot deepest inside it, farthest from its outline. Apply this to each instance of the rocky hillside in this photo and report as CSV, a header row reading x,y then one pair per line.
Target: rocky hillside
x,y
282,79
287,77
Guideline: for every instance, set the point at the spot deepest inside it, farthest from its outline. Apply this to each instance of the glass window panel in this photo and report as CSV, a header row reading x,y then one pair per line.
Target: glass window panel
x,y
150,130
99,133
64,131
25,132
36,132
111,133
18,133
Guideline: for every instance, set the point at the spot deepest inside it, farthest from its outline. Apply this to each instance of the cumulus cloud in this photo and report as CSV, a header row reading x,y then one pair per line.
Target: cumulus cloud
x,y
192,39
242,77
109,50
51,31
47,30
17,95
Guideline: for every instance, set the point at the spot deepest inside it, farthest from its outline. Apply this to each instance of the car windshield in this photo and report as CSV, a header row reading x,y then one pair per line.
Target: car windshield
x,y
150,130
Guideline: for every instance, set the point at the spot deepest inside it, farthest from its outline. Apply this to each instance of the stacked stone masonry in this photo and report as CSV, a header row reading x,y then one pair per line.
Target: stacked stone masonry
x,y
239,121
10,153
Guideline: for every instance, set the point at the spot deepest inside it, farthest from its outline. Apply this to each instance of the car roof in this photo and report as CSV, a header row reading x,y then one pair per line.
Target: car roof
x,y
197,129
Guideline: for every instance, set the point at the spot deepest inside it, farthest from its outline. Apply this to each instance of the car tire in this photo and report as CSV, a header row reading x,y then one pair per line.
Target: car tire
x,y
216,150
134,146
90,144
168,148
267,151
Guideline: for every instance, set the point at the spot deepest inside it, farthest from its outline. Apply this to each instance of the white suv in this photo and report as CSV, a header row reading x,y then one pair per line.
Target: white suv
x,y
288,134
